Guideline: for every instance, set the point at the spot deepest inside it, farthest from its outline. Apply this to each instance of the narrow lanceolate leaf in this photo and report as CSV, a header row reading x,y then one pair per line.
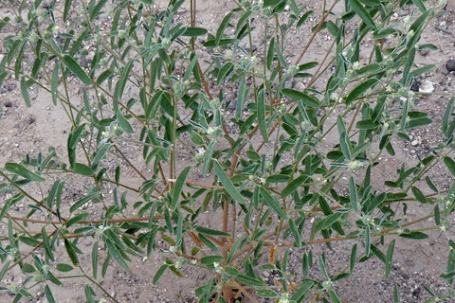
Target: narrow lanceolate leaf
x,y
95,260
241,97
300,293
450,165
353,258
437,215
71,253
66,9
120,86
416,235
304,98
223,25
249,281
261,116
294,185
84,200
353,195
362,12
76,70
25,92
420,5
49,296
295,233
272,203
212,232
270,53
194,32
23,172
266,293
360,89
327,222
179,186
345,146
389,258
419,196
224,179
334,297
54,84
160,272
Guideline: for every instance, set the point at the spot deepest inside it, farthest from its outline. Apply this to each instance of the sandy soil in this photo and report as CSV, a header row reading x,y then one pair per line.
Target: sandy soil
x,y
32,130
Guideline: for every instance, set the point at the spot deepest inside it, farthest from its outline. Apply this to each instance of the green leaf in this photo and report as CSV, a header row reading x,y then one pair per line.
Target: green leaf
x,y
362,13
208,157
294,185
97,9
160,272
270,53
224,72
295,233
420,5
28,268
25,92
419,196
54,84
396,295
84,200
194,32
71,252
266,293
64,267
82,169
76,69
220,31
360,89
272,203
111,245
4,270
123,122
353,258
95,260
23,172
345,145
300,293
207,242
231,190
353,195
49,296
234,248
450,165
212,232
437,215
209,260
303,18
241,97
66,9
179,186
367,240
327,222
416,235
76,219
301,97
247,280
389,259
261,116
334,297
120,86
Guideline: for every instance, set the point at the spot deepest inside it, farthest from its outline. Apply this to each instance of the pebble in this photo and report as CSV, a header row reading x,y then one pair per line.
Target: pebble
x,y
426,87
450,65
415,142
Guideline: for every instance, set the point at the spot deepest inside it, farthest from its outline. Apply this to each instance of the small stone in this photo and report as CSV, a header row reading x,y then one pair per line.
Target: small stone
x,y
299,86
266,274
415,142
450,65
426,87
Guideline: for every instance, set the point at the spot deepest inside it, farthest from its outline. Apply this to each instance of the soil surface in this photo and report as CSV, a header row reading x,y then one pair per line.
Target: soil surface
x,y
29,131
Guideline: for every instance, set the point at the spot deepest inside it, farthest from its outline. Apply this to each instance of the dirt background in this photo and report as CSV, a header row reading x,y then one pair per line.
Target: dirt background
x,y
31,130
